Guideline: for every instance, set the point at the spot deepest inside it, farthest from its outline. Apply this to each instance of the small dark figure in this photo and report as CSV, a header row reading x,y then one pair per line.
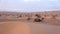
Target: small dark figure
x,y
0,15
42,18
38,15
28,18
37,20
20,15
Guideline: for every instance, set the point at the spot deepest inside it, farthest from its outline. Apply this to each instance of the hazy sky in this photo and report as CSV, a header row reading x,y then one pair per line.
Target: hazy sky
x,y
29,5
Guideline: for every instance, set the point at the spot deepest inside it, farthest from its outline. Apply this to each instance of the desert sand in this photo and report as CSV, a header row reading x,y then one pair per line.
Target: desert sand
x,y
30,23
14,28
28,28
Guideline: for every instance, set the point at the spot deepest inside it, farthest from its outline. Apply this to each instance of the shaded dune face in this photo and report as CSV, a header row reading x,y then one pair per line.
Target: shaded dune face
x,y
14,28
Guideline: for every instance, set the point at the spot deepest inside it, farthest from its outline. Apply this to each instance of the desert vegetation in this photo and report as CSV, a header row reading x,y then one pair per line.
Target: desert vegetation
x,y
39,17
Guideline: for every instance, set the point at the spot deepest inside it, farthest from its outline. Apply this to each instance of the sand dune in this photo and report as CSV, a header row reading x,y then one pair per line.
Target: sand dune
x,y
14,28
44,29
28,28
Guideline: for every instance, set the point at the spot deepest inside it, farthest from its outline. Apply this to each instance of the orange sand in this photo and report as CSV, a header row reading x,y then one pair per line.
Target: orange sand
x,y
14,28
28,28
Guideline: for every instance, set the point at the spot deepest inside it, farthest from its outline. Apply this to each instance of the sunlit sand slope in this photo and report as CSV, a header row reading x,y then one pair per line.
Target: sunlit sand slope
x,y
14,28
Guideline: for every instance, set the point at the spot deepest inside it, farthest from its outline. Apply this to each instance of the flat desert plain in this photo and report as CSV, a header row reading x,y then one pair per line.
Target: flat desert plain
x,y
17,27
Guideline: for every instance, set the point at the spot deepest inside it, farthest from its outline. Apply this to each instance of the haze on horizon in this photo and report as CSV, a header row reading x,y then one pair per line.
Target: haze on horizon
x,y
29,5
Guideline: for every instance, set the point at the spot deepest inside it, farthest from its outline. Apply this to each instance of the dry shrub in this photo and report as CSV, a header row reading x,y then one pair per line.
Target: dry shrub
x,y
38,15
28,18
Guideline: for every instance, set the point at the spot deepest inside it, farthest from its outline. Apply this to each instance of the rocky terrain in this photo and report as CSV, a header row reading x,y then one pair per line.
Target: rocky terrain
x,y
51,17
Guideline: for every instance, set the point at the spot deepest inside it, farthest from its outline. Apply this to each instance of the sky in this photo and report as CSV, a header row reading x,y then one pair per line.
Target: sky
x,y
29,5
